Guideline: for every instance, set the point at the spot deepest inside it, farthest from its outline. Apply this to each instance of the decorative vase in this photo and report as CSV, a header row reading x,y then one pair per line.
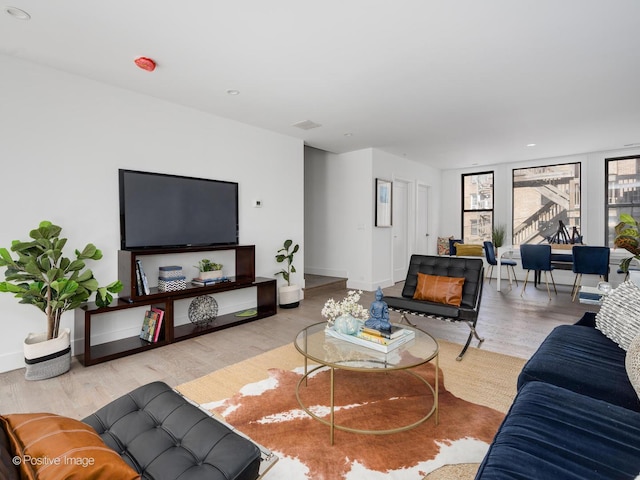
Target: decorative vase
x,y
347,324
47,358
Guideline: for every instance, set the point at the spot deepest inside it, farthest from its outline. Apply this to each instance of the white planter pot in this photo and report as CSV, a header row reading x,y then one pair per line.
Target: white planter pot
x,y
47,358
289,296
213,274
634,276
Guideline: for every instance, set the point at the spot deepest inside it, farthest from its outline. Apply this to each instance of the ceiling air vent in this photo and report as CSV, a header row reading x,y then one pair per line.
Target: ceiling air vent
x,y
306,125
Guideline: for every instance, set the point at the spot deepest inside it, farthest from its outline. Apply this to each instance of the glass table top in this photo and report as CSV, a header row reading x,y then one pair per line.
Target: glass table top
x,y
317,346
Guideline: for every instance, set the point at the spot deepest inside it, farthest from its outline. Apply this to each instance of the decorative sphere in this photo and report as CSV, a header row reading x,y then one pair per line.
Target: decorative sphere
x,y
203,310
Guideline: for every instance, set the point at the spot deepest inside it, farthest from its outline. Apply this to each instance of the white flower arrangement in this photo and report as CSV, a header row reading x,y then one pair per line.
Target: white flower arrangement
x,y
347,306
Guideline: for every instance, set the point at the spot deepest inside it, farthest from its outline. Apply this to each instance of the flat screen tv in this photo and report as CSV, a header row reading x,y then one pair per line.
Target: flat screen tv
x,y
161,211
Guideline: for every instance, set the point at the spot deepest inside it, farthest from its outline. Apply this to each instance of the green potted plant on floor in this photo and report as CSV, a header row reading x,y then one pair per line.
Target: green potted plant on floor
x,y
289,294
43,277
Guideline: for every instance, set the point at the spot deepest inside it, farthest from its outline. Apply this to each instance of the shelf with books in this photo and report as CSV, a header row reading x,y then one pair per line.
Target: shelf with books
x,y
90,354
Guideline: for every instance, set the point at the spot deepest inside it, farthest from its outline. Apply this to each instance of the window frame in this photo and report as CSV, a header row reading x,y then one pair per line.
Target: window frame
x,y
513,196
607,205
464,210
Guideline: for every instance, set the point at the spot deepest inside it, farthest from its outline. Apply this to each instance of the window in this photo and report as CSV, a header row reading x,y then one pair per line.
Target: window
x,y
623,191
544,199
477,210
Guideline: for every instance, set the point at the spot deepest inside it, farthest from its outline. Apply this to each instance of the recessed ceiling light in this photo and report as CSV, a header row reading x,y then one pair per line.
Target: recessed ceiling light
x,y
348,134
531,144
17,13
233,92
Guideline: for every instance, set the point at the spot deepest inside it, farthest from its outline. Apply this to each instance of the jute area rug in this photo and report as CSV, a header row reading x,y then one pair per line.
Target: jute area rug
x,y
257,396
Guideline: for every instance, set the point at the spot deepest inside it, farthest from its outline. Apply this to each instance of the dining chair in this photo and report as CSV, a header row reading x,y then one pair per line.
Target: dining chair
x,y
589,260
538,259
490,255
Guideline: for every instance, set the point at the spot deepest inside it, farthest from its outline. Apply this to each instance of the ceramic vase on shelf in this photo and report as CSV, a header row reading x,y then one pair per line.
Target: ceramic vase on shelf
x,y
347,324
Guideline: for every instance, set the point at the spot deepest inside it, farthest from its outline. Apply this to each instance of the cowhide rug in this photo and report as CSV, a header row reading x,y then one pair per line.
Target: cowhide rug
x,y
268,412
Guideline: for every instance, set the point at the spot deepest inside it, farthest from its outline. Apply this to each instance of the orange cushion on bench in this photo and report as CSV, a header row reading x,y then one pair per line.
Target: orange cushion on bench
x,y
447,290
52,447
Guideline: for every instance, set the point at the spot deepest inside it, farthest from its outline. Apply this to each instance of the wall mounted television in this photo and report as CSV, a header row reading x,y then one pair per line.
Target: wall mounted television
x,y
161,211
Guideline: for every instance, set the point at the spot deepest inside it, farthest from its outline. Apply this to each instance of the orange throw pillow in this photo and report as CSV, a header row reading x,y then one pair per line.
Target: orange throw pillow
x,y
447,290
51,447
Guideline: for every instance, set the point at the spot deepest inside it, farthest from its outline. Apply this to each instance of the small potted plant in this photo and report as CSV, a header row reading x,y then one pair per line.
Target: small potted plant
x,y
498,233
289,294
347,315
43,277
209,270
628,237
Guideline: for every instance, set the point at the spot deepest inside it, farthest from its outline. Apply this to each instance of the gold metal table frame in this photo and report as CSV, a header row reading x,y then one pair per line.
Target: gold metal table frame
x,y
335,354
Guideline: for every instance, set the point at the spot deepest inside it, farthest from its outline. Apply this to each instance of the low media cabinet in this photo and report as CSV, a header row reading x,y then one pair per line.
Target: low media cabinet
x,y
129,298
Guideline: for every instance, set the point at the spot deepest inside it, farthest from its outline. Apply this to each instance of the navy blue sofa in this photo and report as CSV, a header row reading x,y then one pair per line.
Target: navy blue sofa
x,y
576,415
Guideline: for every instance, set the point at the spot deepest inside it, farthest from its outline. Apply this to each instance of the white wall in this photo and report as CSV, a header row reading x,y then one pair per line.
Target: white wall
x,y
391,167
65,137
340,235
592,198
338,218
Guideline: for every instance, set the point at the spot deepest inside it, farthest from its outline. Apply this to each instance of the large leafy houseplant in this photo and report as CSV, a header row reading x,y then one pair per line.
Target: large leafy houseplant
x,y
43,277
285,255
289,294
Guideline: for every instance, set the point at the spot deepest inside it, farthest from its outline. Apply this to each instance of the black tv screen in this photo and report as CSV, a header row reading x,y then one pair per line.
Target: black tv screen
x,y
159,210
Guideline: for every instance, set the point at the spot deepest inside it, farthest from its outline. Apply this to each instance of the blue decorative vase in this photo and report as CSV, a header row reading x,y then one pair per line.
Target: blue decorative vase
x,y
347,324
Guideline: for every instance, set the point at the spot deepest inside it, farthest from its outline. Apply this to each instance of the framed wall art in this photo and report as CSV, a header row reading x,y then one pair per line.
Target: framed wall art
x,y
383,202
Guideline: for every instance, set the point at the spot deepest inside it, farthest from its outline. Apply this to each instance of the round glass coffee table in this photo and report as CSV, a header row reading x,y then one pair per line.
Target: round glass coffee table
x,y
333,353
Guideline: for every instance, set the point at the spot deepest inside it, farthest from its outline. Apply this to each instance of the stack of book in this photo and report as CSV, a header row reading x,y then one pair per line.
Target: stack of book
x,y
591,295
142,285
152,325
382,341
203,282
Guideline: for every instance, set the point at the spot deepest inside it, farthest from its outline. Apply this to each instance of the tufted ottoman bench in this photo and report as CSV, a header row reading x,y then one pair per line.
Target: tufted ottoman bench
x,y
163,436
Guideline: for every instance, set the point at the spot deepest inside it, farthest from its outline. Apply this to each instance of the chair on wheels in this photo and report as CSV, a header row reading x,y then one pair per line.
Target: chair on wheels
x,y
589,261
490,255
538,259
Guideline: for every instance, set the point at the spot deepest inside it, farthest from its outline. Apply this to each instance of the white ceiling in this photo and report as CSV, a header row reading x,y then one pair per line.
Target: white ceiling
x,y
448,83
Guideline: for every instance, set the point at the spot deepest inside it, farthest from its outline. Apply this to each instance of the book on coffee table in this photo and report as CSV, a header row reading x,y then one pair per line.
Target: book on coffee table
x,y
395,331
380,347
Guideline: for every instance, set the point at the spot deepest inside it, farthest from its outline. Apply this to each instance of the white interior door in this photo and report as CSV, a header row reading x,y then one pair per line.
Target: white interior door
x,y
400,205
422,220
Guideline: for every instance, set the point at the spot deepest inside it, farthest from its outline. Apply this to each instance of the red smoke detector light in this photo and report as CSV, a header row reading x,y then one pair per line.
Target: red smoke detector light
x,y
145,63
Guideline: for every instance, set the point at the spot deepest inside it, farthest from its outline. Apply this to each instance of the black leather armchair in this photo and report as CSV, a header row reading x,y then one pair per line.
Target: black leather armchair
x,y
472,269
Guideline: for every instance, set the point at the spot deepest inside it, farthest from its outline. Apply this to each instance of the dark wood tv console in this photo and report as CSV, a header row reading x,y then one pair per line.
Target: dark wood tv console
x,y
129,298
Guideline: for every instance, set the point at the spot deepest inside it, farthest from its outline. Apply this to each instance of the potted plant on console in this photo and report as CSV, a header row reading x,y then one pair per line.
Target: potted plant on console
x,y
289,294
41,276
209,270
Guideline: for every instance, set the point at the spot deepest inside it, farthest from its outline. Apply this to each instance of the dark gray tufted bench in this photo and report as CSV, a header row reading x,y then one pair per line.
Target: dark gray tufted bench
x,y
162,435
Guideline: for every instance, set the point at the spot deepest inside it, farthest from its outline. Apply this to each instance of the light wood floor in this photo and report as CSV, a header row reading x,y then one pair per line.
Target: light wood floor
x,y
510,324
